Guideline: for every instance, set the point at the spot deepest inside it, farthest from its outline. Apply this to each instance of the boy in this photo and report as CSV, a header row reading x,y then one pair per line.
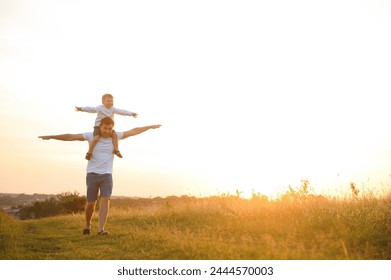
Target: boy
x,y
104,110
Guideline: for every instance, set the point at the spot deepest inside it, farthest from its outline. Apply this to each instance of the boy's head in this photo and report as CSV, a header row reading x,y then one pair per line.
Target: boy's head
x,y
107,100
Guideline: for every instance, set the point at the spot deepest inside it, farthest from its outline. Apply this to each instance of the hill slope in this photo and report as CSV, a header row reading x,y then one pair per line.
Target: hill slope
x,y
211,228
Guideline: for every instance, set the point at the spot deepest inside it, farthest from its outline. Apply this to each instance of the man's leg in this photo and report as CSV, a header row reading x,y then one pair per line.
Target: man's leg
x,y
106,189
89,210
103,212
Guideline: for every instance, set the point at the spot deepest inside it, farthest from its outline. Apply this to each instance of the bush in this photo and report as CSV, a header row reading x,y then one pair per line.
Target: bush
x,y
71,202
64,203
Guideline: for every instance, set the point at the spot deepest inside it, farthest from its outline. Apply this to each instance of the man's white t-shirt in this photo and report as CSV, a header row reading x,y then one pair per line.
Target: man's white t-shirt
x,y
101,161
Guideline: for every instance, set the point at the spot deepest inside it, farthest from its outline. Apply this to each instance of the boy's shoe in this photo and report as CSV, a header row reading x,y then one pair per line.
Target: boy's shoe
x,y
88,156
117,153
86,231
103,232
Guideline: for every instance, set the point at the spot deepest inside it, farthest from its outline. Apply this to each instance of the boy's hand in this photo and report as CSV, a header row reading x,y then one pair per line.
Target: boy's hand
x,y
77,109
134,115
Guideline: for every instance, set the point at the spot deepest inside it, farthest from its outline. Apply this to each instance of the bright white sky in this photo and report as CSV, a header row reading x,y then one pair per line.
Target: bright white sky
x,y
252,95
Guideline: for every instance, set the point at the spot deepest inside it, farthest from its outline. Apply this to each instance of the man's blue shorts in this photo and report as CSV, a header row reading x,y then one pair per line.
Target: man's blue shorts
x,y
99,183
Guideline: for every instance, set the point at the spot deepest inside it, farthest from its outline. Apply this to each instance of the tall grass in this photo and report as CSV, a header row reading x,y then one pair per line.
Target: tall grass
x,y
224,227
10,236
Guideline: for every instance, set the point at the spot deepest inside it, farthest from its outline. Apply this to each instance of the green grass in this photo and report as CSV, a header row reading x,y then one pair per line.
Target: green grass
x,y
218,228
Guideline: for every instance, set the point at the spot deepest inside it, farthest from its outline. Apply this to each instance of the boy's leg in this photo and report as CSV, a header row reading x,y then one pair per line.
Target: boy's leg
x,y
114,137
92,146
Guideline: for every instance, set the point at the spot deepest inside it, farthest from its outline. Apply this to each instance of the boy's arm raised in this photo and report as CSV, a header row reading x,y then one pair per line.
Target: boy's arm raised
x,y
64,137
124,112
86,109
139,130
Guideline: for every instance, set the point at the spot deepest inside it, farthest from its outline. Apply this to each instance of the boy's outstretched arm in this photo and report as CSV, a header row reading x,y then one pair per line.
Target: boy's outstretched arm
x,y
139,130
124,112
64,137
86,109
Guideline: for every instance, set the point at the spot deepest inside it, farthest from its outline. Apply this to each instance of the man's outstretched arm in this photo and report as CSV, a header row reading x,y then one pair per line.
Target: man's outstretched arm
x,y
64,137
139,130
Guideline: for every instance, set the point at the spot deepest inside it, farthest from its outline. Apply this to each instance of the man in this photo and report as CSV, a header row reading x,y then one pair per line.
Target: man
x,y
100,169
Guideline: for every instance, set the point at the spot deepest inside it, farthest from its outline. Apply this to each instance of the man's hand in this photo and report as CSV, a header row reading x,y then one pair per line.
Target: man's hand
x,y
64,137
139,130
134,115
77,109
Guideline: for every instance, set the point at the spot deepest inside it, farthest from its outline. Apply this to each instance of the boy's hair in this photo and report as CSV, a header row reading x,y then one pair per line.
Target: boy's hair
x,y
106,121
106,95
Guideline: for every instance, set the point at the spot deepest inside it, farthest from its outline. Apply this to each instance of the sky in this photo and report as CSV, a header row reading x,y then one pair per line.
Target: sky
x,y
252,95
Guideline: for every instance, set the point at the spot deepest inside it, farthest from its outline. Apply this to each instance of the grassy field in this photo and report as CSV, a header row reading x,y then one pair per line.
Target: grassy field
x,y
214,228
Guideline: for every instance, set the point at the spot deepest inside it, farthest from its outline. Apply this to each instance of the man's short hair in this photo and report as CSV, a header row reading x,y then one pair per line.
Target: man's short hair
x,y
106,121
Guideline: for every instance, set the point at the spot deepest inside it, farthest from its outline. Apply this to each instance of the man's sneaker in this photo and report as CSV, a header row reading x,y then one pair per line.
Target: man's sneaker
x,y
103,232
86,231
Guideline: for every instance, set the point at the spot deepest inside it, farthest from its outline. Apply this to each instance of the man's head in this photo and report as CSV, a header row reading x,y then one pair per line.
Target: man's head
x,y
108,100
106,127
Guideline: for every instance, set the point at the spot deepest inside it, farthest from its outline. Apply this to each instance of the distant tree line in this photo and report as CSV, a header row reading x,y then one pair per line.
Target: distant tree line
x,y
9,200
64,203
